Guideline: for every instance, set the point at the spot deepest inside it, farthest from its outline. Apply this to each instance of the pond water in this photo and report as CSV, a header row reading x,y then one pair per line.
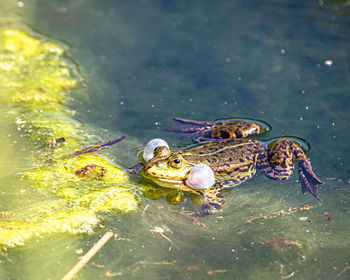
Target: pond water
x,y
144,62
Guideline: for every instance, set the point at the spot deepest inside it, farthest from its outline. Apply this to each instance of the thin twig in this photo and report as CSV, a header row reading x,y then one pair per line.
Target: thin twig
x,y
339,189
88,256
160,231
303,207
283,277
341,272
144,210
94,149
211,272
111,273
194,216
6,257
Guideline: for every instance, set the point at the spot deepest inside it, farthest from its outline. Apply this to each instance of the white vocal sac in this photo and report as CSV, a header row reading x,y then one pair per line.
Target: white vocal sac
x,y
148,152
201,177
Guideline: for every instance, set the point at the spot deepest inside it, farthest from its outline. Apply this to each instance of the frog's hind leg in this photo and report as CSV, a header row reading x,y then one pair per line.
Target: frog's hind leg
x,y
196,130
213,201
278,163
217,131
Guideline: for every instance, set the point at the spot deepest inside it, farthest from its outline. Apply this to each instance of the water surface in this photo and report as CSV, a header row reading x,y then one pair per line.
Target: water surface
x,y
286,62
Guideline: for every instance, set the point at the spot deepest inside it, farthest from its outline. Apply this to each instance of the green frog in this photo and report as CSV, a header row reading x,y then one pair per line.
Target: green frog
x,y
224,160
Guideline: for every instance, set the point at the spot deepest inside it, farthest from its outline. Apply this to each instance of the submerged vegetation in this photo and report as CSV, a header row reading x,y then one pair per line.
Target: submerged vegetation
x,y
37,77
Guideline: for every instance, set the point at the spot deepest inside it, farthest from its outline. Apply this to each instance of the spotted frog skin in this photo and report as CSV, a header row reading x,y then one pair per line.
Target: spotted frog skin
x,y
232,162
233,158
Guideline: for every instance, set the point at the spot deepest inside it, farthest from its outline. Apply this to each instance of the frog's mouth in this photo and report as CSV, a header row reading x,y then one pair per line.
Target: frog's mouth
x,y
174,184
168,183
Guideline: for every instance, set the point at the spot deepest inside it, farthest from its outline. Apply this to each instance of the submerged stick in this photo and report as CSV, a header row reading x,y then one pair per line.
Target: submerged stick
x,y
6,257
94,149
88,256
143,264
341,272
339,189
303,207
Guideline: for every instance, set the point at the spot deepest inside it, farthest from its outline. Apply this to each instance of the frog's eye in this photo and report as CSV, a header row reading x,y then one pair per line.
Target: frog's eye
x,y
151,146
176,162
201,177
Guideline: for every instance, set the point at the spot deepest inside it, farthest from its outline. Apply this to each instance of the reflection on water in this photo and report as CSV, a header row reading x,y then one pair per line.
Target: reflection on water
x,y
286,62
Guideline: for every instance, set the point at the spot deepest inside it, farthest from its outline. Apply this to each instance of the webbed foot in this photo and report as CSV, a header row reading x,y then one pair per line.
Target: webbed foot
x,y
308,179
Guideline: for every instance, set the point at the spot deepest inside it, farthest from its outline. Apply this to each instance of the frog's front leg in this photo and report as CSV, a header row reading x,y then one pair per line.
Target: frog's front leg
x,y
213,200
278,163
135,169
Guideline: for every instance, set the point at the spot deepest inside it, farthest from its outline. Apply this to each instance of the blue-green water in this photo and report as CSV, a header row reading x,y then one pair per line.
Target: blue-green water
x,y
286,62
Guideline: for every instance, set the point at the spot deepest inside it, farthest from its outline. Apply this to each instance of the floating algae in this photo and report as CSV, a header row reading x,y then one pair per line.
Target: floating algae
x,y
36,80
16,232
33,69
69,172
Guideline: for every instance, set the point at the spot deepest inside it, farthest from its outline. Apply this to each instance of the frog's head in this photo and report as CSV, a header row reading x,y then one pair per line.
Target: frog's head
x,y
169,169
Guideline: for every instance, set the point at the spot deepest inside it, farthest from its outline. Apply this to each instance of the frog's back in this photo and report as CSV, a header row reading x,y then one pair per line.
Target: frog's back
x,y
214,154
232,162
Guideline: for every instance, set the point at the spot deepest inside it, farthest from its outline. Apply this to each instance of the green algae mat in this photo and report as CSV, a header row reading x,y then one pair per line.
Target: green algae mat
x,y
37,78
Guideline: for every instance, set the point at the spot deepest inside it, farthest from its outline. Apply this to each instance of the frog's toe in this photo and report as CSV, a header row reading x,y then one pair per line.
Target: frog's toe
x,y
196,130
308,179
188,126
